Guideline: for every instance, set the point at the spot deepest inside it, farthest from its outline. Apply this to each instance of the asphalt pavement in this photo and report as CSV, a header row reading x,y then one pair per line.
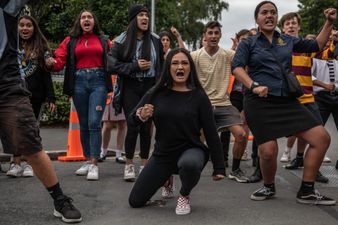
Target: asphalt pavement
x,y
25,201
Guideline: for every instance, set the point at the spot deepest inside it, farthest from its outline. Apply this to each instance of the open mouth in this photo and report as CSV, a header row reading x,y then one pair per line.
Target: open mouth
x,y
86,25
269,22
180,74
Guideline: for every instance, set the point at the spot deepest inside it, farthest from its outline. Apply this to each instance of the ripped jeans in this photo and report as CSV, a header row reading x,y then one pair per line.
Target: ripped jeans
x,y
90,94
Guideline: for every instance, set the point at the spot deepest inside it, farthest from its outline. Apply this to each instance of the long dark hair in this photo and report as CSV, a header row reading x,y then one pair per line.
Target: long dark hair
x,y
166,81
77,31
37,44
130,42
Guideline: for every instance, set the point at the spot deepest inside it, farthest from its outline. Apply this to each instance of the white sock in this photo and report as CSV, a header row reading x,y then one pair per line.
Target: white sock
x,y
103,152
118,153
288,149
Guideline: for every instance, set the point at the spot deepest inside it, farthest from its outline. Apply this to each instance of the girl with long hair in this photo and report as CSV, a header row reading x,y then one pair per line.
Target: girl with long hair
x,y
33,47
178,147
86,80
138,58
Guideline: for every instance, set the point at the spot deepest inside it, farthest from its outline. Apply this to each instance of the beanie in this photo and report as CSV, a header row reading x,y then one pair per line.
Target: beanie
x,y
134,10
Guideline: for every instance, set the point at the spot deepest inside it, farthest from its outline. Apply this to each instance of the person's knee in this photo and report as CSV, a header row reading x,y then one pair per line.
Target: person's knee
x,y
190,165
135,202
241,136
324,139
267,155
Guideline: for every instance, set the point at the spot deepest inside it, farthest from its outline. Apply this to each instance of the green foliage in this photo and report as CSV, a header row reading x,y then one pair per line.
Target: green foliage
x,y
312,13
56,17
61,113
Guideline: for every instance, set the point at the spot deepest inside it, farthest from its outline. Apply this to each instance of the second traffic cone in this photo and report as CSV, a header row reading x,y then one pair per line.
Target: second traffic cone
x,y
74,147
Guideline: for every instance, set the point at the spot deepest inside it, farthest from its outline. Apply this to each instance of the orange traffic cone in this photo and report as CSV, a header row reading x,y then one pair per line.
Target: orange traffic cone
x,y
250,138
74,148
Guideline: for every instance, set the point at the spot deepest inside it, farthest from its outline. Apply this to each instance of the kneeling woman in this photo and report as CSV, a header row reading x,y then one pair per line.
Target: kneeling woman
x,y
179,108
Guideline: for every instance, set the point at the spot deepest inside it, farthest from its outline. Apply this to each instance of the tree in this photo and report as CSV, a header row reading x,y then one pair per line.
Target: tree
x,y
312,14
56,17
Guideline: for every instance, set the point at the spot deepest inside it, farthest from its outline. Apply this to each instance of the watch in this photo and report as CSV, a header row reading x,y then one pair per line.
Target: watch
x,y
254,85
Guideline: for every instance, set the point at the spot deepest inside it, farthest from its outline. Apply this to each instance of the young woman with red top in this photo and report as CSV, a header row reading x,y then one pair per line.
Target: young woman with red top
x,y
87,82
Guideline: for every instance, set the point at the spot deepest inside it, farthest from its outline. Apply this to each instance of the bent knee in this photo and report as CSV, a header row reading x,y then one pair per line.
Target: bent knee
x,y
241,136
136,203
267,155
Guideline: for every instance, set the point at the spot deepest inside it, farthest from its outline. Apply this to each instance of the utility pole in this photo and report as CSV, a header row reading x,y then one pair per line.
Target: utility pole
x,y
152,22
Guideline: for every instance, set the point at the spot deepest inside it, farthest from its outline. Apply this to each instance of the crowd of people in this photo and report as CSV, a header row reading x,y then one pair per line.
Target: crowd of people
x,y
191,101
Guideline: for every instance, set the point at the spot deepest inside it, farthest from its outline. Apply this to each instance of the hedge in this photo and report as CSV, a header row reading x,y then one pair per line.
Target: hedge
x,y
61,114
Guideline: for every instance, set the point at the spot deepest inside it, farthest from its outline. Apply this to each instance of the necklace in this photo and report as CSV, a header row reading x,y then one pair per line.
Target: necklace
x,y
86,43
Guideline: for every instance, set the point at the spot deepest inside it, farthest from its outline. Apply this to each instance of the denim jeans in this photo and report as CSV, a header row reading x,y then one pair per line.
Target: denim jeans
x,y
90,94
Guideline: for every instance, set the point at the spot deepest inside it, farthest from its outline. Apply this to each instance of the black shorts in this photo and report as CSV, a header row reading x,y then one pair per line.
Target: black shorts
x,y
19,131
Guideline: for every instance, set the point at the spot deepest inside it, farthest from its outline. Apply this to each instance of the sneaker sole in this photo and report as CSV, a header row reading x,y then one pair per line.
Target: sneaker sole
x,y
13,175
92,178
180,213
236,179
255,198
59,215
81,174
302,201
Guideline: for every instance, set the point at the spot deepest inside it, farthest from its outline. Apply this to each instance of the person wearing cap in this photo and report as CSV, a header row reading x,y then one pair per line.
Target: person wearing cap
x,y
137,60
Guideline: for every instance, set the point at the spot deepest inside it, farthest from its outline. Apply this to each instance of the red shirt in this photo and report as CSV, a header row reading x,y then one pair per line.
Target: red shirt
x,y
88,52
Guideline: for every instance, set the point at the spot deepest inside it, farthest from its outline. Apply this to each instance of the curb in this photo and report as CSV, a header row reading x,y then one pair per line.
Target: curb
x,y
53,155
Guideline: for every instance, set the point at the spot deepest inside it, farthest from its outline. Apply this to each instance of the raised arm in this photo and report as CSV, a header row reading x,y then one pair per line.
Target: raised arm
x,y
178,37
325,33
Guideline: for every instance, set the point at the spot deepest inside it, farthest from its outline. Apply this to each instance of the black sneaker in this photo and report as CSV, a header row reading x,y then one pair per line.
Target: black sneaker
x,y
314,198
321,178
263,193
65,210
295,164
238,175
256,176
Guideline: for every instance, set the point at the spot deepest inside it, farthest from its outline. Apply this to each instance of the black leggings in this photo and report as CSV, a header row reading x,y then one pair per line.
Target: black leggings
x,y
132,94
189,166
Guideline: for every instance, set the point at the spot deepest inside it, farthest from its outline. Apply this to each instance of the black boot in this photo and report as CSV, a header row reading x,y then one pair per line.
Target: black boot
x,y
256,176
321,178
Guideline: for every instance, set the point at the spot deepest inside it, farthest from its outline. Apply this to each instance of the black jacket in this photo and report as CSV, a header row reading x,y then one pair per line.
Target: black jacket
x,y
68,84
128,69
41,86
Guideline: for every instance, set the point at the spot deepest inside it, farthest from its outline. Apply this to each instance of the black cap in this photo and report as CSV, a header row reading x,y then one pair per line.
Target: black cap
x,y
134,10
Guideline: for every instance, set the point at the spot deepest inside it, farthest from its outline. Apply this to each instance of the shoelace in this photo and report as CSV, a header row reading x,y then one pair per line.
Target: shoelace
x,y
66,202
318,196
130,169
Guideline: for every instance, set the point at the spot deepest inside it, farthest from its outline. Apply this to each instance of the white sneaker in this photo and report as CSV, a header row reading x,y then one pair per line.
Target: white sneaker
x,y
140,170
168,192
93,172
83,169
27,171
286,157
326,159
129,172
183,206
14,170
